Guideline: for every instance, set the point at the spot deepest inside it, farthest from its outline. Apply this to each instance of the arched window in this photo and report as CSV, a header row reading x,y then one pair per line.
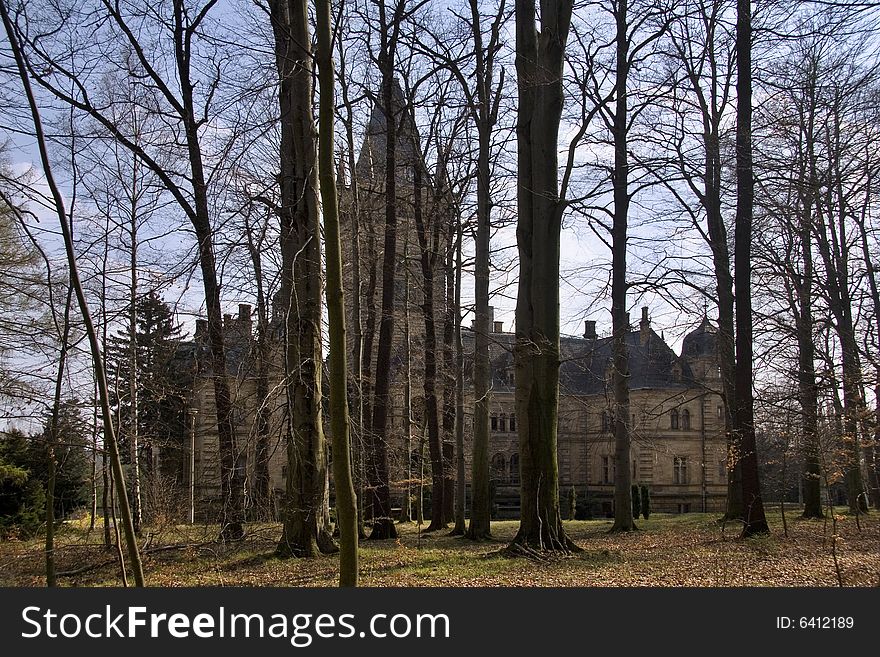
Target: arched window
x,y
498,471
673,418
514,469
686,419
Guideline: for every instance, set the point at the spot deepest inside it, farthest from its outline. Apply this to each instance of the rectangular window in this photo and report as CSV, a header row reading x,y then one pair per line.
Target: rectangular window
x,y
494,423
502,422
679,470
513,422
607,470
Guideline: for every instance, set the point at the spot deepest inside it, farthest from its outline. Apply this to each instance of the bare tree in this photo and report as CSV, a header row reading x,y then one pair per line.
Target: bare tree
x,y
187,93
97,358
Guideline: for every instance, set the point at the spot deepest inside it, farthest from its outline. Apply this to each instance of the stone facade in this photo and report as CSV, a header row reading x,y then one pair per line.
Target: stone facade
x,y
679,446
678,440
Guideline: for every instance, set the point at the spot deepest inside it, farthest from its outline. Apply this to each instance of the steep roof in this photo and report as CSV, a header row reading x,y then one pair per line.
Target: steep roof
x,y
586,363
702,341
371,160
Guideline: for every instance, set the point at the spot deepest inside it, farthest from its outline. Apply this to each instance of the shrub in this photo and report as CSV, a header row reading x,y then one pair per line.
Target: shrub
x,y
572,503
646,502
636,501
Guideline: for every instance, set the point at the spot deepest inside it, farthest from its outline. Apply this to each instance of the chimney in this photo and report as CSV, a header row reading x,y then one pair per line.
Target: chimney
x,y
589,329
201,328
491,315
644,327
498,327
627,325
244,312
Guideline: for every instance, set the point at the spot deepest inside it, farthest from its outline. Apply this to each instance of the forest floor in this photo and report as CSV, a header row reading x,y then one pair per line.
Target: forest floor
x,y
684,550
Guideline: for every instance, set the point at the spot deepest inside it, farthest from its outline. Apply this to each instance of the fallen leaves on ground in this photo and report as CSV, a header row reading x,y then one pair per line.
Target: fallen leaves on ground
x,y
692,550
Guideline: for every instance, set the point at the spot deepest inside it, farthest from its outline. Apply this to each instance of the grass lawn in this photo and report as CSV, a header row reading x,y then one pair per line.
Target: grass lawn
x,y
685,550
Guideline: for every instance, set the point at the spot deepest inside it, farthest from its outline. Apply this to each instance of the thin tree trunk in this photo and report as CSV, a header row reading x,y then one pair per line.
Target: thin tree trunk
x,y
105,498
52,436
459,390
231,467
726,334
133,437
346,505
357,349
262,481
407,394
93,479
449,451
378,474
428,255
481,504
807,386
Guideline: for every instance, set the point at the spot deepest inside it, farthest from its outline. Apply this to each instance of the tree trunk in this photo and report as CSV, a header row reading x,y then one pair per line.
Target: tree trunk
x,y
346,506
726,334
449,452
407,395
754,520
52,443
428,256
378,472
833,245
231,471
358,393
133,437
481,503
539,65
807,387
623,516
305,531
459,391
262,481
